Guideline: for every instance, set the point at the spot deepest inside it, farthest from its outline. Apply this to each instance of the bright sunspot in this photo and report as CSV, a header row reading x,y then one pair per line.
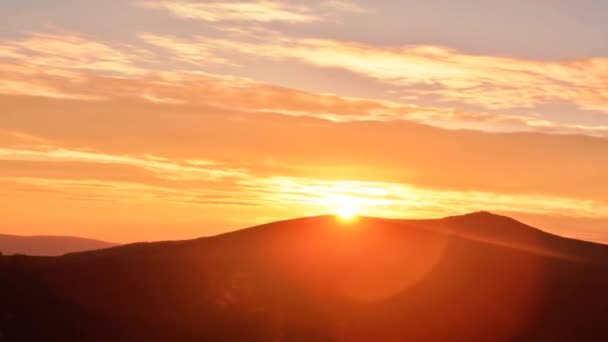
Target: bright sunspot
x,y
345,207
347,212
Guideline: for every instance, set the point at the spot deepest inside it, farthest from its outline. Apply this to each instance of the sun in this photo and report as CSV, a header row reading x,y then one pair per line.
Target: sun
x,y
347,212
346,208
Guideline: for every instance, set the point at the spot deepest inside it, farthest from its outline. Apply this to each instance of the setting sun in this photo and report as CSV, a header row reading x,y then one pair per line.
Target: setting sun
x,y
345,207
347,212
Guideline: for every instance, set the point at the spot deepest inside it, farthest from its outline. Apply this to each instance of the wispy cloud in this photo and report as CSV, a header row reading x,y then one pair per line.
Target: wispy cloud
x,y
200,54
72,67
162,167
16,138
263,11
490,81
293,145
69,51
36,80
345,6
300,196
292,165
387,199
233,93
206,182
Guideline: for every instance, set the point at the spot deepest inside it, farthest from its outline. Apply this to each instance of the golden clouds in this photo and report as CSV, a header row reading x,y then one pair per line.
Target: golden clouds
x,y
346,6
199,89
145,159
233,93
254,11
489,81
268,143
161,167
73,67
198,54
493,82
70,51
386,199
33,80
178,186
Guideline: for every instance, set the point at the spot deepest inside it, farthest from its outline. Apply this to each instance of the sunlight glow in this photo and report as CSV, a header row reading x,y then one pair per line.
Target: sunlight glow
x,y
347,213
345,207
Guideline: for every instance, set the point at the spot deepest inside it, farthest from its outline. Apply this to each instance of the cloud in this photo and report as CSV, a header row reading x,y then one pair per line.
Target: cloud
x,y
386,199
90,124
489,81
197,54
299,195
233,93
345,6
16,138
61,52
272,143
87,175
35,80
72,67
164,168
262,11
228,143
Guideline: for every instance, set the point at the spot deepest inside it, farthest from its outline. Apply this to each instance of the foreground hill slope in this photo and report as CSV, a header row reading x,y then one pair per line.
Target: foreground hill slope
x,y
48,245
477,277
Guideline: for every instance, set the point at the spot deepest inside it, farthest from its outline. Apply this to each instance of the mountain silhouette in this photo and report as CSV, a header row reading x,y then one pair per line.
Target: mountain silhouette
x,y
476,277
48,245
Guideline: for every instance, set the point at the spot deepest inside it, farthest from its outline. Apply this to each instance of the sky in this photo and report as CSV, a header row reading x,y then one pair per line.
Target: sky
x,y
142,120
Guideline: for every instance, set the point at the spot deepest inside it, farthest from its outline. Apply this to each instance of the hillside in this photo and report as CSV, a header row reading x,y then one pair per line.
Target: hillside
x,y
48,245
477,277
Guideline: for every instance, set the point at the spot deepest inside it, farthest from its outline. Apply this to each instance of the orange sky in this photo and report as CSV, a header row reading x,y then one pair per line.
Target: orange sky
x,y
236,113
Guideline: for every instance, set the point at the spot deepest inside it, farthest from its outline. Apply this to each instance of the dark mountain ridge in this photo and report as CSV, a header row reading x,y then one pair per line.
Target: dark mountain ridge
x,y
473,277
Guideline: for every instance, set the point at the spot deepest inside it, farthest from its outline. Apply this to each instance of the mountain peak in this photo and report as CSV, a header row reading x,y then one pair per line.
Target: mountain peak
x,y
481,213
486,217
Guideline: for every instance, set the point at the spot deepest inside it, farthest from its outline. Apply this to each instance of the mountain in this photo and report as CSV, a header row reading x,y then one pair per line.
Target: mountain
x,y
476,277
48,245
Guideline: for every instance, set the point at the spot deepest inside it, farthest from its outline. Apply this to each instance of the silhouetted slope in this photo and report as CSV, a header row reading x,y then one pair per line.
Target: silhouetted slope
x,y
477,277
48,245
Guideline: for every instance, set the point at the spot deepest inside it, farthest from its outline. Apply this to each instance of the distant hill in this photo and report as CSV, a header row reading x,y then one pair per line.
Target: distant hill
x,y
47,245
477,277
